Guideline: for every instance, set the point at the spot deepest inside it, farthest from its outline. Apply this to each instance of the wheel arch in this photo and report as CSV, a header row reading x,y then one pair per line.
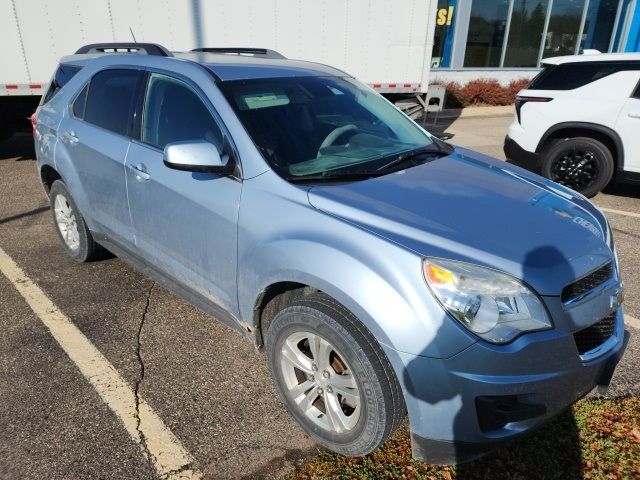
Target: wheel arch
x,y
289,285
63,170
279,294
271,300
48,175
599,132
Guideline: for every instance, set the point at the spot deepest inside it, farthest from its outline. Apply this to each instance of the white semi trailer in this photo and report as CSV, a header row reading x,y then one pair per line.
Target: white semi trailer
x,y
385,44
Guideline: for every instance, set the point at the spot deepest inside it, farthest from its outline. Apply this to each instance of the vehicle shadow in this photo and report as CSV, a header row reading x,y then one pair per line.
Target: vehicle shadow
x,y
19,147
631,190
553,451
278,465
438,123
30,213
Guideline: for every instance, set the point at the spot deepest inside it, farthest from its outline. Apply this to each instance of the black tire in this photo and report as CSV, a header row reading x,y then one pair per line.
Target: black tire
x,y
381,402
581,163
87,248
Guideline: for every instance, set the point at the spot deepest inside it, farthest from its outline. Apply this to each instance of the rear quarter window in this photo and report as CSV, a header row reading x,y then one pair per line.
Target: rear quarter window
x,y
568,76
63,74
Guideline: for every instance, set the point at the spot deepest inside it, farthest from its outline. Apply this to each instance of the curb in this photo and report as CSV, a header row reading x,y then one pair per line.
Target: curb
x,y
476,112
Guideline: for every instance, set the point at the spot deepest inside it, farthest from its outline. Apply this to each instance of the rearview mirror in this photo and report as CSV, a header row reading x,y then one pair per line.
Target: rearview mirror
x,y
197,156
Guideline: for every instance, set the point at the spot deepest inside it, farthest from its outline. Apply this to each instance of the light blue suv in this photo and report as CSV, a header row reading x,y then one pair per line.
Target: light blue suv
x,y
384,271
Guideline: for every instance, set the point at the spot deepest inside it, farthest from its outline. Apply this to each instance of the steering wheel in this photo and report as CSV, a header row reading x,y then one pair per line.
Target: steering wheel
x,y
334,135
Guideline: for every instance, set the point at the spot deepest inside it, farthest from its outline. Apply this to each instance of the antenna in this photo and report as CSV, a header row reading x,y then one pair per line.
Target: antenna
x,y
134,37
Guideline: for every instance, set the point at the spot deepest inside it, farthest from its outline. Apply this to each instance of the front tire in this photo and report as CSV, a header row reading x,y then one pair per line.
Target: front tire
x,y
333,376
74,235
582,164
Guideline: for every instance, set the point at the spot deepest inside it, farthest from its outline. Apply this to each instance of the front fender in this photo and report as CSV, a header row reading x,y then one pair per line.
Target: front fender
x,y
378,281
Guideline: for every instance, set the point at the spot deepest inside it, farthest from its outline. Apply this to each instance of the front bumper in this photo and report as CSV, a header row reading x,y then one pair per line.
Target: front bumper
x,y
519,156
462,407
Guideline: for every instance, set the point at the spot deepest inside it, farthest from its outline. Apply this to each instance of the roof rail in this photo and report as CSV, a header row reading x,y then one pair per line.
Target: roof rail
x,y
262,52
126,47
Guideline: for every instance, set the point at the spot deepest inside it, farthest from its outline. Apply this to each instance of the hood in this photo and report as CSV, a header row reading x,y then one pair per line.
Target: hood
x,y
473,208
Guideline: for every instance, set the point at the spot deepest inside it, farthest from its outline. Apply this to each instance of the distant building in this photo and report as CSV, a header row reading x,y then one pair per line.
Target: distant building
x,y
507,39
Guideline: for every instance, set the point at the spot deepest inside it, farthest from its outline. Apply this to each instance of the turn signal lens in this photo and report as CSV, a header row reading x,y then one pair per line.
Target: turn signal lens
x,y
439,276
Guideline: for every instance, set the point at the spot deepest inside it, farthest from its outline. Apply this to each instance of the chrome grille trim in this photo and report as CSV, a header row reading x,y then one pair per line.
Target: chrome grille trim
x,y
585,284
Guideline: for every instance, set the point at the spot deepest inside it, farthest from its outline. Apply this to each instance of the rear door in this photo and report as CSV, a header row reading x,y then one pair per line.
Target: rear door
x,y
628,127
185,222
48,116
95,139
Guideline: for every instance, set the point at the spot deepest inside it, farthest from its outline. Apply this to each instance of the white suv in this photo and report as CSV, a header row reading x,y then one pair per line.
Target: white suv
x,y
578,121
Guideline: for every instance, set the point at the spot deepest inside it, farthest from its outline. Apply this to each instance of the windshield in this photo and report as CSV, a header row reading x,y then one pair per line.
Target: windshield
x,y
307,126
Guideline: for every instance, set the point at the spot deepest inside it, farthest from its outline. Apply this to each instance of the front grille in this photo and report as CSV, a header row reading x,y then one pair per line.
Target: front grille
x,y
595,335
588,282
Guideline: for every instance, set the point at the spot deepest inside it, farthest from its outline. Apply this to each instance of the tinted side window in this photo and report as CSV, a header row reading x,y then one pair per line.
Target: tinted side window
x,y
568,76
80,102
636,94
174,112
63,74
110,99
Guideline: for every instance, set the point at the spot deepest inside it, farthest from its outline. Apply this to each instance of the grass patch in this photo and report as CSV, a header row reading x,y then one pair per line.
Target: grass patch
x,y
596,439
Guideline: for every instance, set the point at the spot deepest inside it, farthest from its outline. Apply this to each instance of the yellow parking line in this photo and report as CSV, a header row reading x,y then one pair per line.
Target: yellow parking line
x,y
168,455
620,212
634,322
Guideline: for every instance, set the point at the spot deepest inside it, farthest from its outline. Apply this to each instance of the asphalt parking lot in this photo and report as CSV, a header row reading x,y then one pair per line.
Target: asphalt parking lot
x,y
208,386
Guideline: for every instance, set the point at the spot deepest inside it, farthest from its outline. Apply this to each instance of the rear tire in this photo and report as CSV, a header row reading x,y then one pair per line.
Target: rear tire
x,y
74,235
581,163
341,387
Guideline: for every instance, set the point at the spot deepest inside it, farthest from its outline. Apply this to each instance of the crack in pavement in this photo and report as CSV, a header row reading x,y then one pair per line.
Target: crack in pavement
x,y
141,435
177,474
158,444
155,451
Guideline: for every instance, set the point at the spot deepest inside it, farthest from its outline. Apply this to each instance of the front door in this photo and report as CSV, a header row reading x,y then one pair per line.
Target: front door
x,y
185,223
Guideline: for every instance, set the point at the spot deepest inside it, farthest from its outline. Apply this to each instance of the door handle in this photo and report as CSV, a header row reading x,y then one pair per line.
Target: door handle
x,y
634,114
140,172
70,137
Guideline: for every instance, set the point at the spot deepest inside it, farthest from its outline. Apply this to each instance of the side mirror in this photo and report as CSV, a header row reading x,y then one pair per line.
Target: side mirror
x,y
197,156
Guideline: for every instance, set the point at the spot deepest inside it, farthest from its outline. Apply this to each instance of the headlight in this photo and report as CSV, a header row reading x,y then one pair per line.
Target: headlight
x,y
493,305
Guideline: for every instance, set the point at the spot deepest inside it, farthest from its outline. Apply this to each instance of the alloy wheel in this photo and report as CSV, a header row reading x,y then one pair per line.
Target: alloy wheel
x,y
576,169
320,382
66,221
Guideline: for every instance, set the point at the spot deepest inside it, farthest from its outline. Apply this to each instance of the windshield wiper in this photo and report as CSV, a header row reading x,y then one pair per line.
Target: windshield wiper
x,y
334,176
433,149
